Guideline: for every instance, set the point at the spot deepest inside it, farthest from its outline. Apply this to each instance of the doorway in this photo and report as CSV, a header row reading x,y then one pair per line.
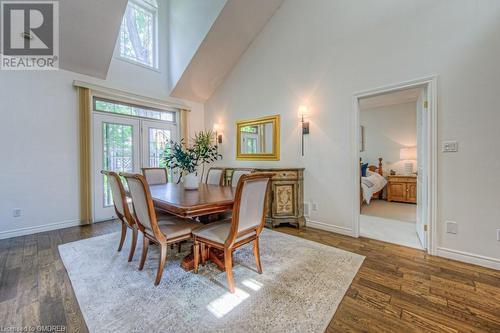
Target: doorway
x,y
126,143
395,163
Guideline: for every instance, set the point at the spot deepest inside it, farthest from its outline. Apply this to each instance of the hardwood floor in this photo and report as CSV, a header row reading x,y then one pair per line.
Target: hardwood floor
x,y
397,289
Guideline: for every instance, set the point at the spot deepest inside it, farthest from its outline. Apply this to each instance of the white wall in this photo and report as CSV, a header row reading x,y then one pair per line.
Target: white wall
x,y
322,52
189,22
39,139
388,129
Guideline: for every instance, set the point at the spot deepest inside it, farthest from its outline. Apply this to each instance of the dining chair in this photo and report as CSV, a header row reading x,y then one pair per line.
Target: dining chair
x,y
237,173
158,229
123,209
215,176
244,226
155,176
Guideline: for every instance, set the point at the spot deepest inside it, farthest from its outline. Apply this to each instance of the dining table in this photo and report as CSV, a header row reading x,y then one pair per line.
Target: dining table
x,y
201,203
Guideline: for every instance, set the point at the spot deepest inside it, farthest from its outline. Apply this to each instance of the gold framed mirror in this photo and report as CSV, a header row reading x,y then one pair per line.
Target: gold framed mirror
x,y
258,139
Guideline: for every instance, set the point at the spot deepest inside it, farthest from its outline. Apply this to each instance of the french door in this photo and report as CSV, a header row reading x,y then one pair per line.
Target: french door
x,y
125,144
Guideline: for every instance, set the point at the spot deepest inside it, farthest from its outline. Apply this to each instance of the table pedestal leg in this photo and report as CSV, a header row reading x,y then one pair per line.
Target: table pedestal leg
x,y
214,255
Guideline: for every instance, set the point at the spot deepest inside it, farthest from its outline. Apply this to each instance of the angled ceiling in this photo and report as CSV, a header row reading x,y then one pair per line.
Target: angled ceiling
x,y
88,33
238,23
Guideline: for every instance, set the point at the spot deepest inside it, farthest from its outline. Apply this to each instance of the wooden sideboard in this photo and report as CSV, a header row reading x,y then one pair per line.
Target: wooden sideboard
x,y
286,202
402,189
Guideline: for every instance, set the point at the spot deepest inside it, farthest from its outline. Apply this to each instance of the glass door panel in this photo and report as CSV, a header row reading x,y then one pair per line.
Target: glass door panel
x,y
156,141
116,148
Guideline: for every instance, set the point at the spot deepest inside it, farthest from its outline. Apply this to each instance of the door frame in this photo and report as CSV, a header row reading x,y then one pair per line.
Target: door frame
x,y
431,152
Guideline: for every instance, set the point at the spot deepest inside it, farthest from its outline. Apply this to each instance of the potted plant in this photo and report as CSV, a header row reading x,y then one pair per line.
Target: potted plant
x,y
205,149
186,159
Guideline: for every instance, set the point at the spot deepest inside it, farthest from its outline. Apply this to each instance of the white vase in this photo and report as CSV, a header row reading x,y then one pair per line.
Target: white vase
x,y
191,181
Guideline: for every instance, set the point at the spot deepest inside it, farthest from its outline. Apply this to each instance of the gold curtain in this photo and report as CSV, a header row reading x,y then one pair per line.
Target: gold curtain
x,y
84,106
184,114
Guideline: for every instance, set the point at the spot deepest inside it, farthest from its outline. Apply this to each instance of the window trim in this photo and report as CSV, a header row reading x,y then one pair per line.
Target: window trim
x,y
154,10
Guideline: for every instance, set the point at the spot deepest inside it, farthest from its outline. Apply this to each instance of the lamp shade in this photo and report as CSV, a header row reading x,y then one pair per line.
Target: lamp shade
x,y
408,153
303,111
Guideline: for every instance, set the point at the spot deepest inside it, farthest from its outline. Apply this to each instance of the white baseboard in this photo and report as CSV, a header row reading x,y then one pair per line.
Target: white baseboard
x,y
37,229
329,227
470,258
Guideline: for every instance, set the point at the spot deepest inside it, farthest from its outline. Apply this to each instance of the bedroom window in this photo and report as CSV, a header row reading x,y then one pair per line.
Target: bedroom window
x,y
138,34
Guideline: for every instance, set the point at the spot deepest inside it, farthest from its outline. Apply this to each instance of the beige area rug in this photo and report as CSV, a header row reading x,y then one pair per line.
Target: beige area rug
x,y
391,210
299,291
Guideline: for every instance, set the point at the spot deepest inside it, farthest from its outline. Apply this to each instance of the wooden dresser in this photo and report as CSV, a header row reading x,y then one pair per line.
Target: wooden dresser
x,y
402,189
286,202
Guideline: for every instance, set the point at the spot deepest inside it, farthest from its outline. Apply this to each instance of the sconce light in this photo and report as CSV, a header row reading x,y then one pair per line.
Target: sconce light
x,y
303,112
218,134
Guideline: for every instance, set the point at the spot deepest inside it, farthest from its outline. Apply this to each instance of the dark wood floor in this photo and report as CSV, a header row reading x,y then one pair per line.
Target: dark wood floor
x,y
397,289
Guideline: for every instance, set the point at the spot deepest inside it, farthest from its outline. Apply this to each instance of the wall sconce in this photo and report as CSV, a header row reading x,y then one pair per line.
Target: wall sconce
x,y
303,112
218,133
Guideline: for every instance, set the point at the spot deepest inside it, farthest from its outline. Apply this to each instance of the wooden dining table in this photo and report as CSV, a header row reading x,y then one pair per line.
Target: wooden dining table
x,y
206,201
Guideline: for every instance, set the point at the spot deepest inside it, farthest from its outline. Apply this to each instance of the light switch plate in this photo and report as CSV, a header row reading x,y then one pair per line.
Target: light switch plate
x,y
450,146
451,227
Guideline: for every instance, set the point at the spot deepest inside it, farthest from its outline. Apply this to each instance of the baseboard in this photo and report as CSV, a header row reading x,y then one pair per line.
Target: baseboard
x,y
470,258
329,227
37,229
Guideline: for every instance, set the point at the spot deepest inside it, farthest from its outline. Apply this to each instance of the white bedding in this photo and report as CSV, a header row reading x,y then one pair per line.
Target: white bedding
x,y
378,184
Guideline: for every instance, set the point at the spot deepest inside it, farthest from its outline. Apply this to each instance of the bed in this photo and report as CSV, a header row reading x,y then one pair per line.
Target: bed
x,y
373,183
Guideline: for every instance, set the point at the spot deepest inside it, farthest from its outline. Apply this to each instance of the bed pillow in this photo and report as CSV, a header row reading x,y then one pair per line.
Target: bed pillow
x,y
364,167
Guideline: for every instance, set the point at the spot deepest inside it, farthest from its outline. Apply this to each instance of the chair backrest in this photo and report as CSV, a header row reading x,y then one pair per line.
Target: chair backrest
x,y
155,176
119,197
144,210
237,173
250,203
215,176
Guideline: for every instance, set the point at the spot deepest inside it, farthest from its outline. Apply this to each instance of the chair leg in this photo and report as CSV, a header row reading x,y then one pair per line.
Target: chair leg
x,y
203,254
228,262
122,239
256,253
163,259
133,245
145,247
196,254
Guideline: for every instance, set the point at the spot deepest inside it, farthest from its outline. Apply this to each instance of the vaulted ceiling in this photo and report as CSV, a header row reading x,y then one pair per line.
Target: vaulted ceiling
x,y
88,32
238,23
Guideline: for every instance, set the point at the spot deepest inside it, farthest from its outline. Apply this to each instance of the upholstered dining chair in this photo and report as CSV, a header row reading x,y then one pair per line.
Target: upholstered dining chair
x,y
123,209
215,176
244,227
237,173
159,229
155,176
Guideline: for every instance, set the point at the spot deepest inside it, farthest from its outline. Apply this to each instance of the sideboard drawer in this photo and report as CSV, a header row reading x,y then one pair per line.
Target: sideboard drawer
x,y
285,174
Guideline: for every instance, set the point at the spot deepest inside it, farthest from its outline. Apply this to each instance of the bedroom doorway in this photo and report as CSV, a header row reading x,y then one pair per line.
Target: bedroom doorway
x,y
394,136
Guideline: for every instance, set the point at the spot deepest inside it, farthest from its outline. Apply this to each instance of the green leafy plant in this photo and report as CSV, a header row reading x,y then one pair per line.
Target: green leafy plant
x,y
185,159
205,149
181,158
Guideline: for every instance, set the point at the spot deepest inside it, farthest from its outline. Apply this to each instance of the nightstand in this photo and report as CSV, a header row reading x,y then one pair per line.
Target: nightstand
x,y
402,188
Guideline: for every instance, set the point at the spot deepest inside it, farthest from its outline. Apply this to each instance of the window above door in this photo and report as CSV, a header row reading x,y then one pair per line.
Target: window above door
x,y
138,40
105,105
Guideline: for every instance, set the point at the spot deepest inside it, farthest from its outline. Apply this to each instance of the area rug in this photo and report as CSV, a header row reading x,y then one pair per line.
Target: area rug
x,y
302,284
